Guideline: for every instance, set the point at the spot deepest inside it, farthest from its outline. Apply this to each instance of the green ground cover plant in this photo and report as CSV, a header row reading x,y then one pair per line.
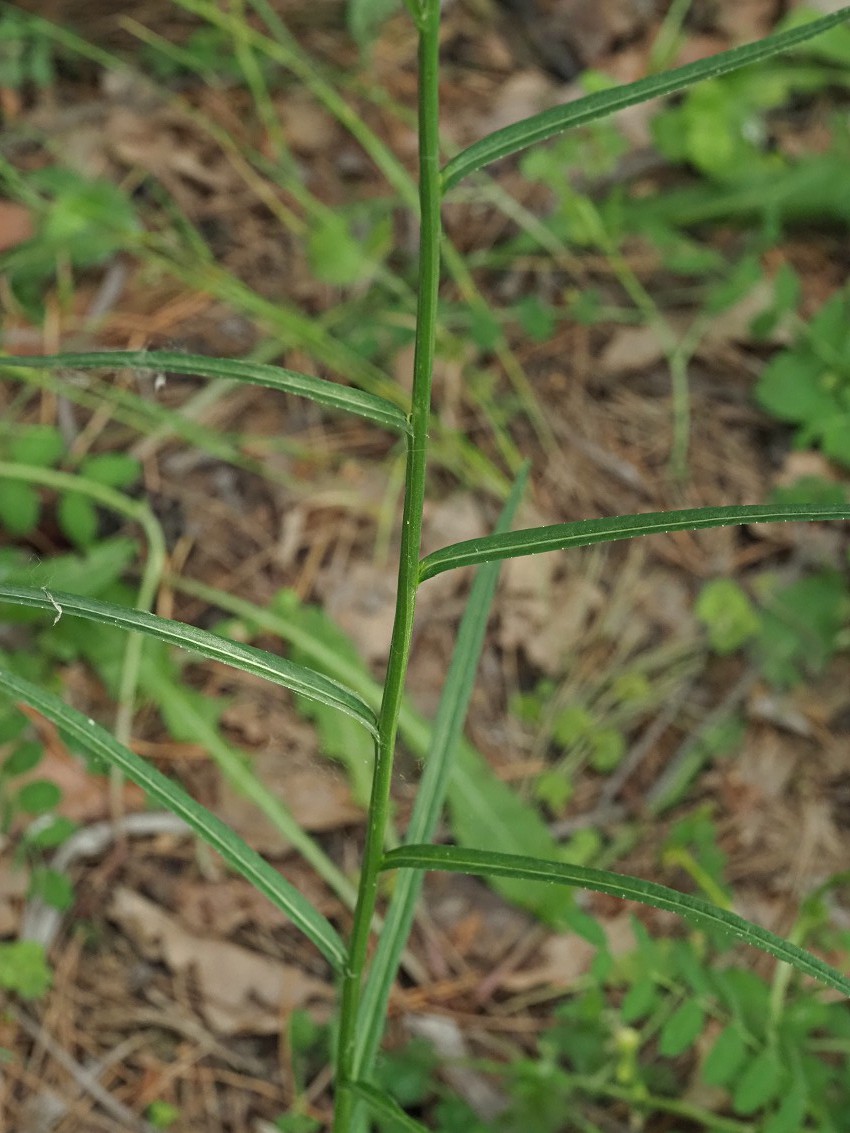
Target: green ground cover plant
x,y
365,964
808,384
25,56
640,1023
720,131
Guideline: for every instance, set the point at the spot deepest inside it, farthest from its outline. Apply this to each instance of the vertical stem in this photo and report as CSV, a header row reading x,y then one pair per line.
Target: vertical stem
x,y
408,575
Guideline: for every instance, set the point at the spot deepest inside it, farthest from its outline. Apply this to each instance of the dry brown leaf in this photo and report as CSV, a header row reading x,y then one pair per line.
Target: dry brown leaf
x,y
451,521
798,465
523,94
318,796
826,701
85,797
630,349
769,760
525,599
541,616
566,957
745,20
241,992
14,883
362,603
825,6
447,1040
775,708
151,144
587,27
661,597
637,348
222,908
307,127
16,225
734,323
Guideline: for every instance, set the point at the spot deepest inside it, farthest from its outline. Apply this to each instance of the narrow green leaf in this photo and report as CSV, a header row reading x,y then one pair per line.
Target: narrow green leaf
x,y
440,761
519,136
364,17
339,739
456,859
330,394
470,769
382,1105
299,679
557,537
483,809
212,830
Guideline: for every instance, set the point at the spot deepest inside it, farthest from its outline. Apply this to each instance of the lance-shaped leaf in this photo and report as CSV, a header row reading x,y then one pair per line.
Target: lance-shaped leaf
x,y
382,1105
487,863
539,127
330,394
96,740
583,532
298,678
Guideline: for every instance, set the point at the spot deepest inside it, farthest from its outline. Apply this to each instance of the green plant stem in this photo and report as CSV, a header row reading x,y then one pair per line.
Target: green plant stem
x,y
468,463
782,974
668,37
284,51
430,798
686,1110
408,577
415,729
594,1086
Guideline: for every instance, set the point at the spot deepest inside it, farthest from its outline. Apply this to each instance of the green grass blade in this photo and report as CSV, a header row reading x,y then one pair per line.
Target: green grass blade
x,y
155,422
486,863
212,830
474,790
323,392
439,762
583,532
285,50
382,1105
539,127
298,678
186,722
